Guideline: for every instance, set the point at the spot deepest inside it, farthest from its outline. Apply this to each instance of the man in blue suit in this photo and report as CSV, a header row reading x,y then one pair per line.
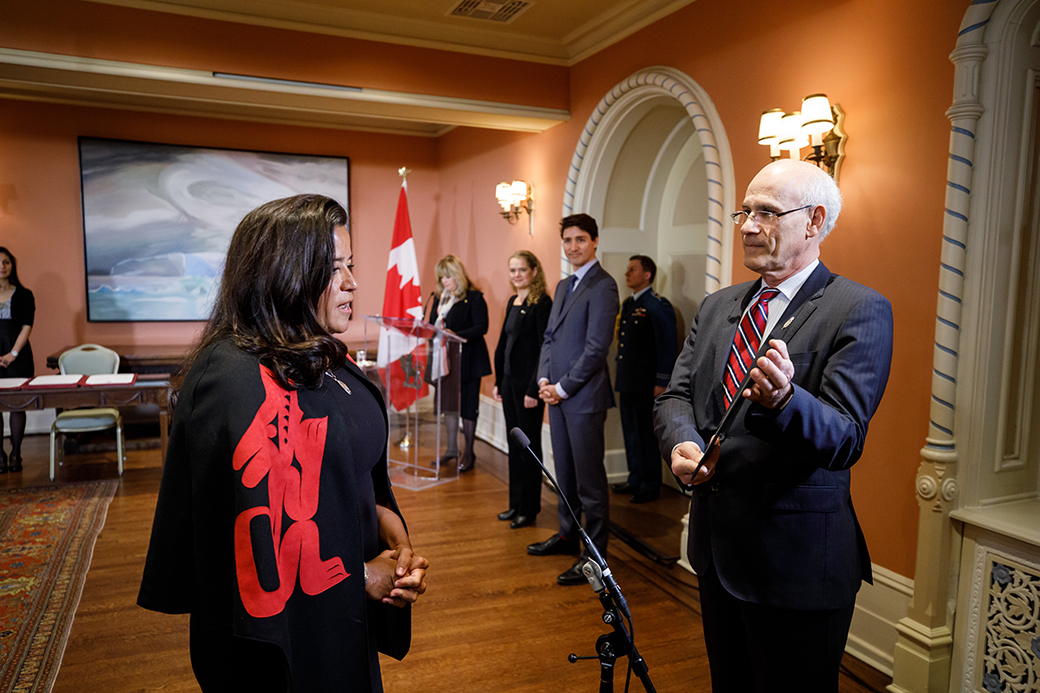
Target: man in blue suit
x,y
574,381
773,535
646,349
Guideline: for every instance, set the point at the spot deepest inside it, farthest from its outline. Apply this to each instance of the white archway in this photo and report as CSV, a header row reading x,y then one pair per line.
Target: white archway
x,y
592,165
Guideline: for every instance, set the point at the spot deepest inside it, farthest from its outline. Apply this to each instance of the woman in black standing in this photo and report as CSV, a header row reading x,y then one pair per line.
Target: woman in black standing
x,y
461,309
516,386
276,527
17,309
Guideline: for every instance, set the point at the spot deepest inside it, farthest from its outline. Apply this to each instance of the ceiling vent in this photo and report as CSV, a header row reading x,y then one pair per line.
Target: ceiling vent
x,y
501,11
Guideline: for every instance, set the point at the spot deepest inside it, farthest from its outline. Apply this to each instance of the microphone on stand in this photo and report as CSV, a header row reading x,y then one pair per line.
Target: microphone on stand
x,y
598,574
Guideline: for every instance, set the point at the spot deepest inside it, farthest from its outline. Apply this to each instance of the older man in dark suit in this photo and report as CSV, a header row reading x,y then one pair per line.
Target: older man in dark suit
x,y
773,535
573,379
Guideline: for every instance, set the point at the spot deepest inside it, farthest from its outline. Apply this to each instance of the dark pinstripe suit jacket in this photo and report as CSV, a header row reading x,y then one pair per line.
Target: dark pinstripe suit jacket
x,y
777,519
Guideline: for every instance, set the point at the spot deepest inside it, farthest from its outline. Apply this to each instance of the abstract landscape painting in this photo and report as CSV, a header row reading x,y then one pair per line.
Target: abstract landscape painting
x,y
157,219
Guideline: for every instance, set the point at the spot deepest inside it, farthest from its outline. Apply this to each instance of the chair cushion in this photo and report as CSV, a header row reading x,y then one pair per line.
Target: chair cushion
x,y
93,419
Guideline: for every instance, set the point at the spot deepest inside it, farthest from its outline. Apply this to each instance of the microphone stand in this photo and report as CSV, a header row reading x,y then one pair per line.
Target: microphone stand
x,y
621,642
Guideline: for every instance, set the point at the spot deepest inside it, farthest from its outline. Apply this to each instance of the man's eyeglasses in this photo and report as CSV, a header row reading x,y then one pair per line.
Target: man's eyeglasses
x,y
762,217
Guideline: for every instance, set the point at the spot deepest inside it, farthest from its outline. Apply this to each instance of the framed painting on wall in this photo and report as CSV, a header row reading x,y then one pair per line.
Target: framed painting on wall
x,y
158,219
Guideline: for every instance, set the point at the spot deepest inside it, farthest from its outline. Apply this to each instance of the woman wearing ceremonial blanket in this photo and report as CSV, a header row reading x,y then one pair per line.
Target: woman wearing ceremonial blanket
x,y
276,527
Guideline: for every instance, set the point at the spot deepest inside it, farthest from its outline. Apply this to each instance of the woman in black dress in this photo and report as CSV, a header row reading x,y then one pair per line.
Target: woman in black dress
x,y
460,308
276,527
17,309
516,386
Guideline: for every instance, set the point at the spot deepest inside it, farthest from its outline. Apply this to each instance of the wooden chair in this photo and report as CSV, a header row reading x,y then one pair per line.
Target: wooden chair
x,y
87,359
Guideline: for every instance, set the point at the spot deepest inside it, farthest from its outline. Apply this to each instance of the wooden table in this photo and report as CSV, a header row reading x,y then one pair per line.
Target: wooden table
x,y
147,390
139,359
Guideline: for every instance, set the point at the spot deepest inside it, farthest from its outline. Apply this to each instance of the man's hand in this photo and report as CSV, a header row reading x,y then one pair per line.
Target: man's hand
x,y
547,393
771,379
685,458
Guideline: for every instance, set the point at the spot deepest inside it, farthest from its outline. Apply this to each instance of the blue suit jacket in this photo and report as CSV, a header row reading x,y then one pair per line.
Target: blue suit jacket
x,y
777,519
574,350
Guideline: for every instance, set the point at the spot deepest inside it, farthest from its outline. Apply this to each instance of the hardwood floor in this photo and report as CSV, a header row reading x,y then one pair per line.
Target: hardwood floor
x,y
493,618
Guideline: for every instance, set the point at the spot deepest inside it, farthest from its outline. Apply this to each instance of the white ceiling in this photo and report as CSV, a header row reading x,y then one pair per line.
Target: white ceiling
x,y
559,32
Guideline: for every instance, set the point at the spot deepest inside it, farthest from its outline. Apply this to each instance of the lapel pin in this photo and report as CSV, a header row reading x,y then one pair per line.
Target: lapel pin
x,y
789,321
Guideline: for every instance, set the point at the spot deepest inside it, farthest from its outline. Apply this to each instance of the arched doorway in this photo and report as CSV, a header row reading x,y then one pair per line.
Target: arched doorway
x,y
653,167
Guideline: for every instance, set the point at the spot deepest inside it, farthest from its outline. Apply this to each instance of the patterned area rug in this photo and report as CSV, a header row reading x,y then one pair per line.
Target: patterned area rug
x,y
47,536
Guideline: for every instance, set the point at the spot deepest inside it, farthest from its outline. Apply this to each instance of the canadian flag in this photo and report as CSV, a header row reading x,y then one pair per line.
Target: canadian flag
x,y
403,299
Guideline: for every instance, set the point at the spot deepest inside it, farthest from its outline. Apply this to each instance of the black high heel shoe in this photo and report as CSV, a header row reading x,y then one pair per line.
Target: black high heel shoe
x,y
3,462
16,462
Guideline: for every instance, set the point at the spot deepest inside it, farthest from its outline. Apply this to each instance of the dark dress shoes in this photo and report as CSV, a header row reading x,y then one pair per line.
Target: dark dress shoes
x,y
645,497
15,463
522,521
553,546
573,575
507,515
622,488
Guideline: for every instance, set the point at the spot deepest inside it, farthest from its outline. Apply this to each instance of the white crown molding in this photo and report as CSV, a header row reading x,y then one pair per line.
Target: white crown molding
x,y
598,33
111,84
607,30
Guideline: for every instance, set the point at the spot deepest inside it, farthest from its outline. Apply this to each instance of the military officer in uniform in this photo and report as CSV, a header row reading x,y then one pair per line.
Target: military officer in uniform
x,y
646,351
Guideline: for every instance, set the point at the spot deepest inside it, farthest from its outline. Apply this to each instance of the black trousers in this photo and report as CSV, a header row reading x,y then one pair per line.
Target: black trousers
x,y
641,451
525,476
752,647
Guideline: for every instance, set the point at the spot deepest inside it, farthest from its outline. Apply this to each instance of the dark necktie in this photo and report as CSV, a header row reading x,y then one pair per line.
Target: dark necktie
x,y
746,343
571,282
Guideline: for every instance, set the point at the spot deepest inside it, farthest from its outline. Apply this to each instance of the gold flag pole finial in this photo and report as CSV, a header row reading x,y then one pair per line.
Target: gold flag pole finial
x,y
403,172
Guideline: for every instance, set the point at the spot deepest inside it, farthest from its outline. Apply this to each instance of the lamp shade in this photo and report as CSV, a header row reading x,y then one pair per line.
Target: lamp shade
x,y
519,191
503,193
791,137
769,127
817,117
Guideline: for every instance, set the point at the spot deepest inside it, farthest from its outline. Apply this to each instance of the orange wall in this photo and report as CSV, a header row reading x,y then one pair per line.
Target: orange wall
x,y
41,214
889,58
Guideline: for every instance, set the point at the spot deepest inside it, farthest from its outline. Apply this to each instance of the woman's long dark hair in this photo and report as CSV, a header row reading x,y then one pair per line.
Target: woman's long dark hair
x,y
13,277
278,265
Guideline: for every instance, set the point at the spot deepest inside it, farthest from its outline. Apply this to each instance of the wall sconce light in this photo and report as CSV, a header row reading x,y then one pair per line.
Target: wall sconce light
x,y
514,198
818,125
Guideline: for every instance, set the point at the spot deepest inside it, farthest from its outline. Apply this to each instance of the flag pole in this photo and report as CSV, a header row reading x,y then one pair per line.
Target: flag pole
x,y
406,442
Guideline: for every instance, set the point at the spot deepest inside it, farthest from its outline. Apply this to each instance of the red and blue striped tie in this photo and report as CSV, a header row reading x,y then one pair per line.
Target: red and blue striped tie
x,y
746,343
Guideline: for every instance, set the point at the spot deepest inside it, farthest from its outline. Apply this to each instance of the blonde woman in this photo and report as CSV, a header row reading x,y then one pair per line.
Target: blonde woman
x,y
460,308
516,382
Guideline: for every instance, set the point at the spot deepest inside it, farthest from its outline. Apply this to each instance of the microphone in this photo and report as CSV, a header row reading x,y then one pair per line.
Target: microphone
x,y
598,576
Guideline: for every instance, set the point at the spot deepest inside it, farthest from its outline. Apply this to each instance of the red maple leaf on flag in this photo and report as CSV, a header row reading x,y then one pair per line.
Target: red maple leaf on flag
x,y
402,357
